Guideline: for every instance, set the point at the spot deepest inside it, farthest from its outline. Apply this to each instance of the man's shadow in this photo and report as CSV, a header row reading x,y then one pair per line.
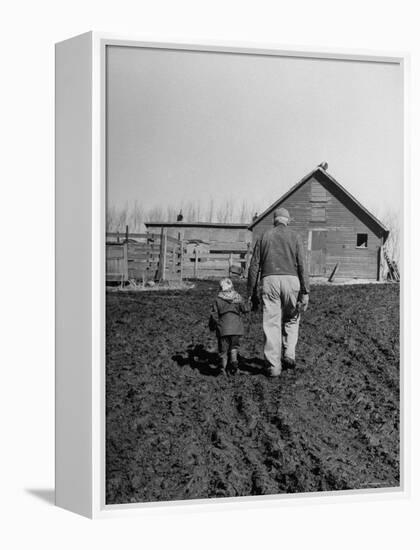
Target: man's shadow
x,y
207,361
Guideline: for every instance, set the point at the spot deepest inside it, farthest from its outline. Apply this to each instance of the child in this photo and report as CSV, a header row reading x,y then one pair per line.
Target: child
x,y
225,319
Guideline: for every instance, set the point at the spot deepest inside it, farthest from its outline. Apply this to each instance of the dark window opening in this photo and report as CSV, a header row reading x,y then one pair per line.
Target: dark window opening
x,y
362,240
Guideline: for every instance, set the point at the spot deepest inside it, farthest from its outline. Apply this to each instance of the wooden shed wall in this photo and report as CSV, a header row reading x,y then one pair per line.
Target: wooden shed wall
x,y
342,225
211,235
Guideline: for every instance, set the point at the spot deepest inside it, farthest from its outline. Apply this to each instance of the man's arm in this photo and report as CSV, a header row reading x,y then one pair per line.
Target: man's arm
x,y
301,267
254,268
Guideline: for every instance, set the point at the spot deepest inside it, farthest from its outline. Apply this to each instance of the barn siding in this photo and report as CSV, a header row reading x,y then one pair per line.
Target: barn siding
x,y
341,223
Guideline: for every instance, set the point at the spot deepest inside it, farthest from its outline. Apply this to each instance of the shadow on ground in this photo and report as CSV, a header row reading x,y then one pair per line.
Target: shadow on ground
x,y
207,361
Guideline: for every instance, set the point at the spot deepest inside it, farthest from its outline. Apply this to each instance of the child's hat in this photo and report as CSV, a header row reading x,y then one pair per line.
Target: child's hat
x,y
226,284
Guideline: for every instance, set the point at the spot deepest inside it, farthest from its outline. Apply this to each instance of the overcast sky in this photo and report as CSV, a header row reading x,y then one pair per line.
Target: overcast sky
x,y
187,125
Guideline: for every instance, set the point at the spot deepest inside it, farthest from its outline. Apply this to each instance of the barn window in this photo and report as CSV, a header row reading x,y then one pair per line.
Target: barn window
x,y
318,192
362,240
318,213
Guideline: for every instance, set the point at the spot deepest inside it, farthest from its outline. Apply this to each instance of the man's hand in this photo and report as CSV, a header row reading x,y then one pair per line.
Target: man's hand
x,y
254,301
303,302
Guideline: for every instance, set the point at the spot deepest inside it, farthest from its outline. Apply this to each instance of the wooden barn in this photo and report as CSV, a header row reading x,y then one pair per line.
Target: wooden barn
x,y
336,229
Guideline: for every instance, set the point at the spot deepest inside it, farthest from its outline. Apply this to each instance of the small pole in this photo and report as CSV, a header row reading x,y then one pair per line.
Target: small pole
x,y
181,258
165,250
147,265
162,255
126,233
247,259
334,273
230,264
125,261
195,263
173,267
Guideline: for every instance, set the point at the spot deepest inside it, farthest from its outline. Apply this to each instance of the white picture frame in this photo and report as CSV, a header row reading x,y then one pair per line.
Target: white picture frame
x,y
80,285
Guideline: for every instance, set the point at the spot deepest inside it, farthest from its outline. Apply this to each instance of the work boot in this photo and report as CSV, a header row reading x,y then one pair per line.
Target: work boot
x,y
289,363
273,372
270,371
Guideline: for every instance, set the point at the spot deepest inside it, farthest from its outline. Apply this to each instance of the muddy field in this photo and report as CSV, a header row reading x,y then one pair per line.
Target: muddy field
x,y
176,430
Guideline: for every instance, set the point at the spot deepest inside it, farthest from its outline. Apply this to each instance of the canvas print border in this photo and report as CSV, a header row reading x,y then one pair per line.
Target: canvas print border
x,y
96,500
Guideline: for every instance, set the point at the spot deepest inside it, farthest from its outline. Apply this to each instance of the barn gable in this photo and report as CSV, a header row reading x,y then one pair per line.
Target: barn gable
x,y
334,226
326,181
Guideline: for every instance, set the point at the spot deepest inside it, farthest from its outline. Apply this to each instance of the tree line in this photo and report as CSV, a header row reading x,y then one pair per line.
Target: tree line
x,y
135,214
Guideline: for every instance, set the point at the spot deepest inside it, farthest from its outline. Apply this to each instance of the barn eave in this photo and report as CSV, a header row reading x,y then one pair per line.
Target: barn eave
x,y
380,229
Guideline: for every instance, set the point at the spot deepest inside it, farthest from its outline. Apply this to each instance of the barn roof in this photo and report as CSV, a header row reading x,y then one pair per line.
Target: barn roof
x,y
321,174
198,224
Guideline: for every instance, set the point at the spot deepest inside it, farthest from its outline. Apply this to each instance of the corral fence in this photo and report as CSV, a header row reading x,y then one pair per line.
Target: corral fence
x,y
144,257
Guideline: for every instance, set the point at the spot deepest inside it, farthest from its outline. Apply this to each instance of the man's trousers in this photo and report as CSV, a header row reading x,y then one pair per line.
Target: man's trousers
x,y
280,319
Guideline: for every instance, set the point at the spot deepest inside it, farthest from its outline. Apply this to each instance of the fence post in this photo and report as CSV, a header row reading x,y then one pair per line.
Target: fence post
x,y
173,260
125,261
247,259
162,254
147,267
195,263
230,263
181,258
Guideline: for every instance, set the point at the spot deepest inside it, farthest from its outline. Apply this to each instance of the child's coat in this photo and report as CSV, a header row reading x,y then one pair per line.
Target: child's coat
x,y
226,312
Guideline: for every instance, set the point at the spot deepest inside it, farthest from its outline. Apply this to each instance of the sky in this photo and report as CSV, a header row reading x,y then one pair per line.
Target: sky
x,y
188,126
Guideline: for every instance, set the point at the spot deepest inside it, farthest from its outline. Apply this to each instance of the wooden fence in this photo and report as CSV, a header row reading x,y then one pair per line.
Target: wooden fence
x,y
145,257
198,264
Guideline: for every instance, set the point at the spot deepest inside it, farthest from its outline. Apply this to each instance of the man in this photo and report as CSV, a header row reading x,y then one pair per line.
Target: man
x,y
279,258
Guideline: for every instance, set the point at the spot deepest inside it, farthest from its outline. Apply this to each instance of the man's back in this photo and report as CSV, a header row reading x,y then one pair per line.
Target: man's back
x,y
279,251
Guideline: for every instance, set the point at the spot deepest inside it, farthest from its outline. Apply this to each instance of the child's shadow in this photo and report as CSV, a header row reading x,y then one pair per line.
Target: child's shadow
x,y
206,361
198,357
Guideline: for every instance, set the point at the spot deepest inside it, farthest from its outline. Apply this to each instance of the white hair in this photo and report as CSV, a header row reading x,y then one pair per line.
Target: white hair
x,y
281,219
226,284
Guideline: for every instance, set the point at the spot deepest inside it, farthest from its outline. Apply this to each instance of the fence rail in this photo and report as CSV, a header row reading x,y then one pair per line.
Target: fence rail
x,y
160,257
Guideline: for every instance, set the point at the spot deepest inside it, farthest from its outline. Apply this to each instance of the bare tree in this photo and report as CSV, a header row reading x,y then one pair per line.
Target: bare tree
x,y
135,214
210,211
155,214
246,211
172,213
135,217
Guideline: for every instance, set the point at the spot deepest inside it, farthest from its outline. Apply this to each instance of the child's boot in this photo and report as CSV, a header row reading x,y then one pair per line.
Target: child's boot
x,y
223,364
233,361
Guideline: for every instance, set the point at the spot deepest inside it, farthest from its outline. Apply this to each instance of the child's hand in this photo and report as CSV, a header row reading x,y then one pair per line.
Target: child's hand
x,y
255,301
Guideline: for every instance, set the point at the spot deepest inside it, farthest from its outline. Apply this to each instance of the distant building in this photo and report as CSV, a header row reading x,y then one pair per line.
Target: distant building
x,y
214,237
335,227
